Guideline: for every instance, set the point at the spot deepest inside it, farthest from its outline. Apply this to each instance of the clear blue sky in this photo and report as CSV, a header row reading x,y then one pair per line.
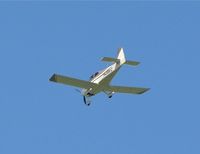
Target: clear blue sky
x,y
38,39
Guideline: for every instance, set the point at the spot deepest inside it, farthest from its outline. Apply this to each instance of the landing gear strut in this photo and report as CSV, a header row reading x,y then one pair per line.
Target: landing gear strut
x,y
109,93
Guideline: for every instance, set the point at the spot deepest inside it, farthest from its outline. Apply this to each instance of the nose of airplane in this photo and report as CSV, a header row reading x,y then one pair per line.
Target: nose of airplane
x,y
84,92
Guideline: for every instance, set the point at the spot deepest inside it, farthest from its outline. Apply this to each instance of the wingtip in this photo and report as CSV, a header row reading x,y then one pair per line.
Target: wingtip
x,y
145,90
53,78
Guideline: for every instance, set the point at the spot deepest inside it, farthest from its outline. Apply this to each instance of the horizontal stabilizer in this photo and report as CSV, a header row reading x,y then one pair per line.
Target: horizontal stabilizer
x,y
131,90
72,81
109,59
127,62
133,63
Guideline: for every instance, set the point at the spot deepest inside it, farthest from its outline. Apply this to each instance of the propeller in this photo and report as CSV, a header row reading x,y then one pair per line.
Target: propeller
x,y
86,101
78,90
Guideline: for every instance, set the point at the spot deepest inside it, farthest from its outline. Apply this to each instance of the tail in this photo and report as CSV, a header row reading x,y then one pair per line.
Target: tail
x,y
121,56
121,59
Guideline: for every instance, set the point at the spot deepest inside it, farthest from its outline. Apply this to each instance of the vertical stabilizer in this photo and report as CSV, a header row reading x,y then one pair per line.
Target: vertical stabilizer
x,y
121,56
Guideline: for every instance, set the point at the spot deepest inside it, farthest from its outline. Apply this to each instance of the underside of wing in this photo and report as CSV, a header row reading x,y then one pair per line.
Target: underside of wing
x,y
131,90
72,81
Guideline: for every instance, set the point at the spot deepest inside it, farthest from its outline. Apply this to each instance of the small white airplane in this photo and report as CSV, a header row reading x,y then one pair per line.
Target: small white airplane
x,y
100,81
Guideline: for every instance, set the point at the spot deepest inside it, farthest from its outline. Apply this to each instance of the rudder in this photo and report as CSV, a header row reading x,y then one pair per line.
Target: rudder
x,y
121,56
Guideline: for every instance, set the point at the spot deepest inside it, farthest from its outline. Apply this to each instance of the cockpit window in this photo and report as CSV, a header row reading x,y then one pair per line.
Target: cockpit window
x,y
91,77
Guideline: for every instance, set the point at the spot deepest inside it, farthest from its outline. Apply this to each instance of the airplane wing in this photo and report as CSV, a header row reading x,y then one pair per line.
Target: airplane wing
x,y
131,90
72,81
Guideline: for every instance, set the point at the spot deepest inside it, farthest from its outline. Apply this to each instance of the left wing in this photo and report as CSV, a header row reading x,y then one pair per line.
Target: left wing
x,y
131,90
72,81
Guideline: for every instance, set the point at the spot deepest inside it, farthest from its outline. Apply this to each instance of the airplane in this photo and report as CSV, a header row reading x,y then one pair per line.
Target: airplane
x,y
100,81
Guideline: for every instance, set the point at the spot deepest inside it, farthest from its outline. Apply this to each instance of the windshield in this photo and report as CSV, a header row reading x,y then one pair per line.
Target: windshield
x,y
92,76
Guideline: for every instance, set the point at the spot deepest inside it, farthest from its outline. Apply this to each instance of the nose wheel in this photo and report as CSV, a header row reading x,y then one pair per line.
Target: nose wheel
x,y
110,96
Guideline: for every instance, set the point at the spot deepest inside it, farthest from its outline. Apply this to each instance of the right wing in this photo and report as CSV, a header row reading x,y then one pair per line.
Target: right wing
x,y
131,90
72,81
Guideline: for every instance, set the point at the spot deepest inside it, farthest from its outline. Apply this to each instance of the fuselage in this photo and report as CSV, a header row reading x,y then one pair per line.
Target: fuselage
x,y
102,78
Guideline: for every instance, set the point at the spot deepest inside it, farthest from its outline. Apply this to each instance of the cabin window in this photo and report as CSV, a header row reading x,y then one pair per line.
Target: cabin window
x,y
91,77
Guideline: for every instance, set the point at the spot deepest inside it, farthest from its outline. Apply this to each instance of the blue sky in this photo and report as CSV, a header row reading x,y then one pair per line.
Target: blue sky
x,y
38,39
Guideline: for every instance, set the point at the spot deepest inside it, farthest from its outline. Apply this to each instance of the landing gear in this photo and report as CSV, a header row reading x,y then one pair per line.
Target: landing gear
x,y
109,93
88,104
